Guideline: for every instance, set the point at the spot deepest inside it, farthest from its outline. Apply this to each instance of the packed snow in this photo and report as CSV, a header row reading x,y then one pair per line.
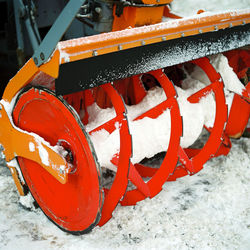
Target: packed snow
x,y
210,210
151,136
190,7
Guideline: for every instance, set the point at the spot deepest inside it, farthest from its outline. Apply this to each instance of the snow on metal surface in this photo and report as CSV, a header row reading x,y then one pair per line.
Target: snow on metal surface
x,y
31,147
207,211
196,19
44,156
151,136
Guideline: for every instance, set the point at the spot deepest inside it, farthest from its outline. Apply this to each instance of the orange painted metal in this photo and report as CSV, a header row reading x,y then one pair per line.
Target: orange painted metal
x,y
80,48
19,184
21,79
76,205
17,142
119,185
156,2
153,186
239,114
192,160
136,17
130,38
167,13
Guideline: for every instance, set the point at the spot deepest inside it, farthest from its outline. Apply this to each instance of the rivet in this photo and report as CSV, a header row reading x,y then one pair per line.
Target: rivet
x,y
119,47
143,43
182,34
42,56
230,25
61,171
215,27
95,53
244,22
164,38
200,31
35,60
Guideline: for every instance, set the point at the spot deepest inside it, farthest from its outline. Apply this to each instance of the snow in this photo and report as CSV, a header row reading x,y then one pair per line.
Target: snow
x,y
190,7
151,136
130,32
210,210
231,81
44,155
32,147
14,163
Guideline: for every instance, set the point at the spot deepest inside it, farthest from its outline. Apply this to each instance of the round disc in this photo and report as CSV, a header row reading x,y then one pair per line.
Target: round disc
x,y
75,206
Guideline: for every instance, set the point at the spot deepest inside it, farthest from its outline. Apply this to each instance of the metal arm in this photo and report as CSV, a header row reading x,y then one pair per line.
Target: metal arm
x,y
56,32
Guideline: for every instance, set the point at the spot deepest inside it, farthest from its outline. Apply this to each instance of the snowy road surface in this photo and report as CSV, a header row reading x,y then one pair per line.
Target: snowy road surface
x,y
210,210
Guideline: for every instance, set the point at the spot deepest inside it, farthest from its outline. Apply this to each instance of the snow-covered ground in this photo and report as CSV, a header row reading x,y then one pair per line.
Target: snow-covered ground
x,y
210,210
190,7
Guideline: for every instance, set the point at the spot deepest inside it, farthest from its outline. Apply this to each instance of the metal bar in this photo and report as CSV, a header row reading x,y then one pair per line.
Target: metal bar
x,y
56,32
34,37
18,7
94,71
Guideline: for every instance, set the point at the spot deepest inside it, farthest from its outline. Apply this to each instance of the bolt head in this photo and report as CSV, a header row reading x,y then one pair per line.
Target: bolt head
x,y
35,60
42,56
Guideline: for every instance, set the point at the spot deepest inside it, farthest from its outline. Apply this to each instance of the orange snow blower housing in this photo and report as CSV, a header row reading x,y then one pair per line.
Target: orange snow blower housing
x,y
76,108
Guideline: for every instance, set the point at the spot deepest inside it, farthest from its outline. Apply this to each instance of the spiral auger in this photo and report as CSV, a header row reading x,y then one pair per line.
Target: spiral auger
x,y
192,160
82,116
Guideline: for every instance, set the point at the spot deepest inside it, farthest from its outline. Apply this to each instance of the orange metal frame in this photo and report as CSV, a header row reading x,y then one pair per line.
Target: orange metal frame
x,y
86,47
77,49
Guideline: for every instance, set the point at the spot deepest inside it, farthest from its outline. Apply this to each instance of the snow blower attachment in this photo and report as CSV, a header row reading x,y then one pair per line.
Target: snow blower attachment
x,y
81,116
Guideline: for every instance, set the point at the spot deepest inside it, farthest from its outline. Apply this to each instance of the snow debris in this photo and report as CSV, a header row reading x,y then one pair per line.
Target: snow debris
x,y
13,163
209,210
44,156
230,79
27,201
63,55
32,147
151,136
60,150
62,169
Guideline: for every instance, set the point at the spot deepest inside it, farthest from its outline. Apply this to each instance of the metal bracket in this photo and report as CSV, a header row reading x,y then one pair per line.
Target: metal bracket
x,y
56,32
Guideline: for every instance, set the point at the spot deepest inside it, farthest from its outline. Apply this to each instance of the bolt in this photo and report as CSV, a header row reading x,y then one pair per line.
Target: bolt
x,y
42,56
143,43
98,10
200,31
35,60
230,25
61,171
182,34
244,22
22,12
95,53
119,47
216,27
164,38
